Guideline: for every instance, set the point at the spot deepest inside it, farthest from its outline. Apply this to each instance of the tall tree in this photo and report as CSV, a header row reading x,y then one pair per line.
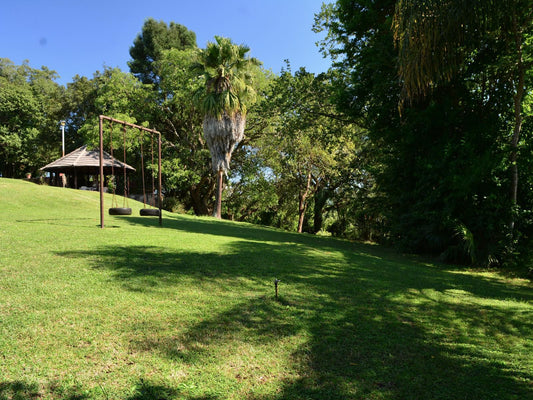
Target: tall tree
x,y
305,146
186,156
439,164
79,106
438,40
228,73
154,39
117,94
30,110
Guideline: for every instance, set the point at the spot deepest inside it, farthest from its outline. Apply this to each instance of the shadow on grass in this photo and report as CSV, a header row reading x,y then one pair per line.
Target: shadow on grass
x,y
20,390
212,226
144,390
378,327
79,222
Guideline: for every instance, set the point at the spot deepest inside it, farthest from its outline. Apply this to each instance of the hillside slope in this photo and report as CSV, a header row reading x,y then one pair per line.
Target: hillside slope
x,y
187,311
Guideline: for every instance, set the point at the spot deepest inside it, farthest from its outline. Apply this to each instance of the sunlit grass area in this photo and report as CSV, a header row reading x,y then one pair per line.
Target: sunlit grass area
x,y
187,311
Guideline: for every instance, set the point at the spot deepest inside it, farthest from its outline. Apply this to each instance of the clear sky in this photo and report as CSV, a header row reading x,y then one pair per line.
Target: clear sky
x,y
81,36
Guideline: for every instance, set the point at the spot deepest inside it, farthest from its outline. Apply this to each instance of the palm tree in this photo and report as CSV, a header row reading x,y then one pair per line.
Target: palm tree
x,y
227,72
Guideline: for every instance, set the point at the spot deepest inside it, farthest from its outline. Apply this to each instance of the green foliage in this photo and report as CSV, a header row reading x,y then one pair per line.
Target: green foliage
x,y
436,40
250,194
484,43
79,107
448,155
307,146
119,95
185,154
228,76
149,46
30,110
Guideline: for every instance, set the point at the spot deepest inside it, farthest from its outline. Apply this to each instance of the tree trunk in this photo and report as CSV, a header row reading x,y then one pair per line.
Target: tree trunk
x,y
198,197
518,98
220,183
303,203
516,136
321,197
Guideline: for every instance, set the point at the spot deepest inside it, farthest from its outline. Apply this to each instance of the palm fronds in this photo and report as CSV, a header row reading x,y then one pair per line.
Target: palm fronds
x,y
227,72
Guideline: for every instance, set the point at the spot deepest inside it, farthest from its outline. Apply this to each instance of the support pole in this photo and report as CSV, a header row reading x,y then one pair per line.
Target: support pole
x,y
159,194
101,172
63,138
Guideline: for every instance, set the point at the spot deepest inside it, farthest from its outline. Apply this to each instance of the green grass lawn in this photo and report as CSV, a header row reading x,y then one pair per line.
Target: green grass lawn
x,y
187,311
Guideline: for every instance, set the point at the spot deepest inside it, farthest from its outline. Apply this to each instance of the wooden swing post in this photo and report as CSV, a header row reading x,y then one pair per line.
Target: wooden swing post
x,y
101,119
141,128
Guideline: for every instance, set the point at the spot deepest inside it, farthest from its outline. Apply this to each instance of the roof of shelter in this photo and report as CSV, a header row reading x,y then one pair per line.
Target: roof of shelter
x,y
83,158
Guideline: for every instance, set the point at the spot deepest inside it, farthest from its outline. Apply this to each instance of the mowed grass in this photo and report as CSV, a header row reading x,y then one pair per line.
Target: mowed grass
x,y
187,311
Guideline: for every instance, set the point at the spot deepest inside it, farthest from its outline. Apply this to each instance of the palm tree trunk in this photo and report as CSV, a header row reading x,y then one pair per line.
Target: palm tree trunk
x,y
220,183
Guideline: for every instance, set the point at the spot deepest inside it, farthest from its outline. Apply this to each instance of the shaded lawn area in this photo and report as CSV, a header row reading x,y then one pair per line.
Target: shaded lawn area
x,y
187,311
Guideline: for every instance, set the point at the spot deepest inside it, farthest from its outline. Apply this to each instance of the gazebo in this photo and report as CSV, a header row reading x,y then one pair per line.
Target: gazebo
x,y
80,164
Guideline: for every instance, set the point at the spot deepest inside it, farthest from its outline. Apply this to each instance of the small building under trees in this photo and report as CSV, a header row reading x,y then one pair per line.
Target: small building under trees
x,y
81,168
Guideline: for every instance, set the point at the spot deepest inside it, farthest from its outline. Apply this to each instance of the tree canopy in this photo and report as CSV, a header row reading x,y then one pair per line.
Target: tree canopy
x,y
442,163
154,39
30,110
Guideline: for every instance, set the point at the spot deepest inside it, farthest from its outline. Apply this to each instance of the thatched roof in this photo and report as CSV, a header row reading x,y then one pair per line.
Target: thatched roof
x,y
86,161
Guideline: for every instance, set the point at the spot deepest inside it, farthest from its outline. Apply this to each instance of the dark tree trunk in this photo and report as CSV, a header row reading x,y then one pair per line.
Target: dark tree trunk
x,y
518,98
198,198
321,197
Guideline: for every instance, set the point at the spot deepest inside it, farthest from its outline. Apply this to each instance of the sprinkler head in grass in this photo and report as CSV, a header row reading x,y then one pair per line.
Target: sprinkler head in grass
x,y
276,281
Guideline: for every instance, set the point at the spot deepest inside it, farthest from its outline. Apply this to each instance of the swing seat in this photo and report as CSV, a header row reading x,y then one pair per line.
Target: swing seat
x,y
120,211
149,212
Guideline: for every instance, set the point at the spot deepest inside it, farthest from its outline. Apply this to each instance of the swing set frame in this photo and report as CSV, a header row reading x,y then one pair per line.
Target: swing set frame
x,y
140,128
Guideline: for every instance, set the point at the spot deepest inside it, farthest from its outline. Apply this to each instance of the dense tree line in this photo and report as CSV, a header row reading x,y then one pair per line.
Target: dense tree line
x,y
30,110
444,90
418,136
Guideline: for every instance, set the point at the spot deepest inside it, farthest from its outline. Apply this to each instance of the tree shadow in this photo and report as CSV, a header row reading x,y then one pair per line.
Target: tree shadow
x,y
239,230
381,347
145,390
262,320
140,267
20,390
377,326
360,358
80,222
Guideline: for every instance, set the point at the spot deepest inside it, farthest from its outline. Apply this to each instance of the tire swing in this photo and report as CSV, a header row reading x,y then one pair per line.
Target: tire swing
x,y
148,212
124,210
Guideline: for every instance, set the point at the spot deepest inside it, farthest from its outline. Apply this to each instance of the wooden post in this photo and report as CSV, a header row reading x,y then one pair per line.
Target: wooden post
x,y
101,172
159,194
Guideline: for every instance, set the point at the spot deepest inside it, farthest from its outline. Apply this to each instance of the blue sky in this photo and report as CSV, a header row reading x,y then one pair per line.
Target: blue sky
x,y
80,37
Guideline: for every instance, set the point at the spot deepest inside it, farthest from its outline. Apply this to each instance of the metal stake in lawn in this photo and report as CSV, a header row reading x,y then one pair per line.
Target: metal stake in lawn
x,y
276,281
